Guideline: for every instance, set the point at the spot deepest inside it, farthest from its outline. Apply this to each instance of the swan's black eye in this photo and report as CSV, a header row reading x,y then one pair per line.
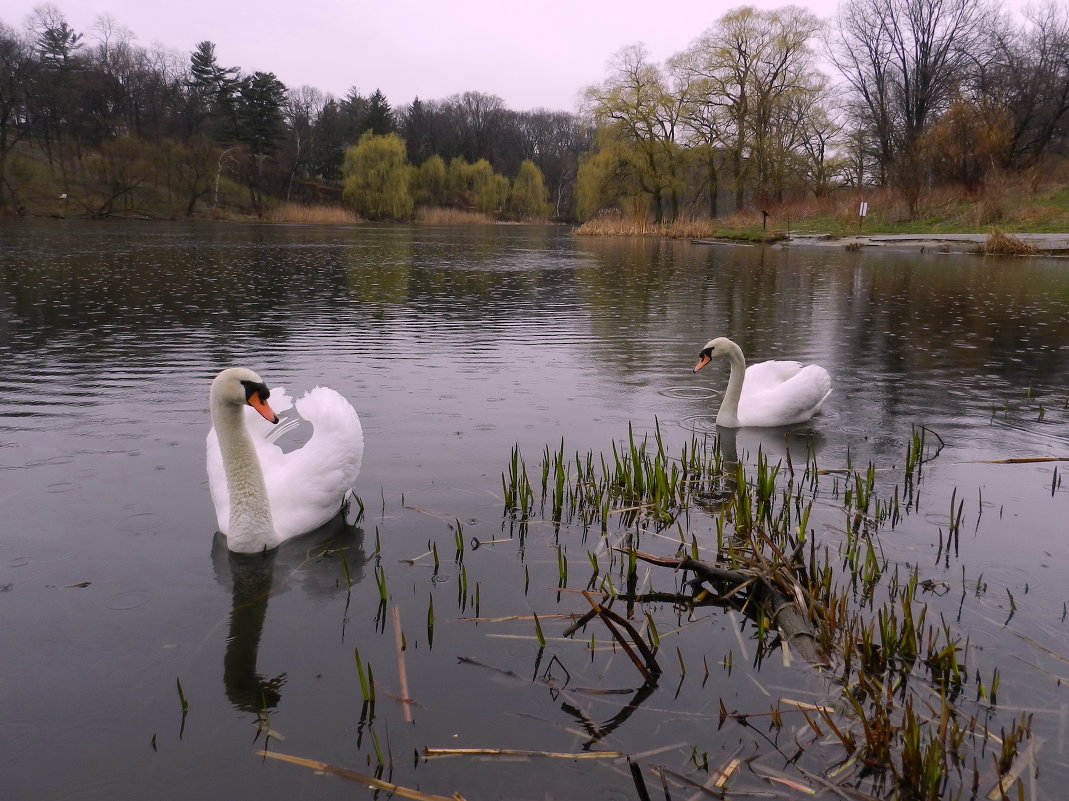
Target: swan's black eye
x,y
707,352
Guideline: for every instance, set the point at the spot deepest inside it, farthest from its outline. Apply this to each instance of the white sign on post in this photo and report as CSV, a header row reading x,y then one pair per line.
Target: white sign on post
x,y
864,208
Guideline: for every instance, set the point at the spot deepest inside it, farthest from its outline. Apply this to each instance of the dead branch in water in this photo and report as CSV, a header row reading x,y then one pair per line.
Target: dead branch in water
x,y
782,610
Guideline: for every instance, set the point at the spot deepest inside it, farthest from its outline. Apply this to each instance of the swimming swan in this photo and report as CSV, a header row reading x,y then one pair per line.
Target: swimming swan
x,y
264,496
766,394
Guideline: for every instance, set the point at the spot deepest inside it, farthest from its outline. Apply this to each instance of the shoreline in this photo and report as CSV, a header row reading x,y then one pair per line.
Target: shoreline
x,y
1044,244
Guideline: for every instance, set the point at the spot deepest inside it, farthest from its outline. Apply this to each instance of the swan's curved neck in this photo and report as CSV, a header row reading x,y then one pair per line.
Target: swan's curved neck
x,y
251,527
729,406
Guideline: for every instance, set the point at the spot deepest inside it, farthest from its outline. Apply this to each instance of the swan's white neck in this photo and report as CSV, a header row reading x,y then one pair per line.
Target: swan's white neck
x,y
729,406
251,528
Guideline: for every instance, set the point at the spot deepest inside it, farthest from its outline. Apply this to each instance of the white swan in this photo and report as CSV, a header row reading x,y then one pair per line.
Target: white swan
x,y
766,394
264,496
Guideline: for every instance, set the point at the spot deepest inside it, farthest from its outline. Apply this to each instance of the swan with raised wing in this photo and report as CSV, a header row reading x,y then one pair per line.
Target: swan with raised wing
x,y
262,494
774,393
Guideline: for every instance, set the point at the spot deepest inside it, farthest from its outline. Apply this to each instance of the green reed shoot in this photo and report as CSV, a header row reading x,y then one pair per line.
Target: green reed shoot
x,y
538,632
378,748
182,698
366,677
430,619
458,539
516,487
654,636
380,582
345,570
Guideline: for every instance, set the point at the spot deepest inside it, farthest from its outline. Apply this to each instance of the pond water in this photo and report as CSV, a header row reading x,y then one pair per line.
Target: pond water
x,y
455,345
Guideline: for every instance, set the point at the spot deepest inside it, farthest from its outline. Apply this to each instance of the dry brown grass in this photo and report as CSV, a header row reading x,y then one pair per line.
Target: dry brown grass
x,y
1000,244
438,215
324,215
619,225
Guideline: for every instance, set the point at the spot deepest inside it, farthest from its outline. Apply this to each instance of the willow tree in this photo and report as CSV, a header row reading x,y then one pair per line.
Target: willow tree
x,y
529,198
429,182
376,174
490,190
608,178
748,75
637,108
475,185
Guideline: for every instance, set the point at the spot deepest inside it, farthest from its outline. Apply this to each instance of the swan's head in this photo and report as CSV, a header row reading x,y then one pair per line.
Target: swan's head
x,y
721,346
238,386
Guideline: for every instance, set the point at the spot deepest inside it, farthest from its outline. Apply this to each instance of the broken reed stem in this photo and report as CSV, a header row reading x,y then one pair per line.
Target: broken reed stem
x,y
402,670
1021,460
345,773
515,752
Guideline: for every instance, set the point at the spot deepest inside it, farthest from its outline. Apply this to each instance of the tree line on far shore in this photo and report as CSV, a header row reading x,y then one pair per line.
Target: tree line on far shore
x,y
923,93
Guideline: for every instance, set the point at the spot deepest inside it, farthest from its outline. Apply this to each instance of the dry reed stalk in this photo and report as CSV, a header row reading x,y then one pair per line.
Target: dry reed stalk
x,y
439,215
513,752
1000,244
326,215
622,226
402,671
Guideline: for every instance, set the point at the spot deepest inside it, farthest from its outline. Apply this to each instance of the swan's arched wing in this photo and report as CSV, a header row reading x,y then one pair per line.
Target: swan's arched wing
x,y
763,376
307,485
792,401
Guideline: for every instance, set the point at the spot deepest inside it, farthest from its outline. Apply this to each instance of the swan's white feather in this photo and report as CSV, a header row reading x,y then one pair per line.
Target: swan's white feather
x,y
306,486
779,393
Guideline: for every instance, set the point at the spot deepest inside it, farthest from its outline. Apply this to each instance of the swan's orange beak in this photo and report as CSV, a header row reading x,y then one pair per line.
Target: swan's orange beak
x,y
260,405
702,361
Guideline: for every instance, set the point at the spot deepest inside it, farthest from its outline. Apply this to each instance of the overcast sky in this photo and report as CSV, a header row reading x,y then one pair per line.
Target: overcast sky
x,y
536,54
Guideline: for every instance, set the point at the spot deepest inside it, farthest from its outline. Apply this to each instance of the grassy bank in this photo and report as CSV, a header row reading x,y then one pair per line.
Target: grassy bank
x,y
1021,205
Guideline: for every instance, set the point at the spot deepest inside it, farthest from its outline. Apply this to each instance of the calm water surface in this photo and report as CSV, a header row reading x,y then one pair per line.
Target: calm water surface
x,y
455,345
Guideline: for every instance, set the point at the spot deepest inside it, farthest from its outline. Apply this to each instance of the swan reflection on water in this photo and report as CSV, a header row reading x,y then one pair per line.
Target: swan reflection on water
x,y
310,564
795,445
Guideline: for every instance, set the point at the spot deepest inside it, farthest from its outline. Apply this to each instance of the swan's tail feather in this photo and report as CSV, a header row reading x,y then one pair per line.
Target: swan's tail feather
x,y
328,410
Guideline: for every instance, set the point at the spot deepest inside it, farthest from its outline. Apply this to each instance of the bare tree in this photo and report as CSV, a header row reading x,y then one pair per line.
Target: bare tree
x,y
17,69
1029,76
304,106
904,60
